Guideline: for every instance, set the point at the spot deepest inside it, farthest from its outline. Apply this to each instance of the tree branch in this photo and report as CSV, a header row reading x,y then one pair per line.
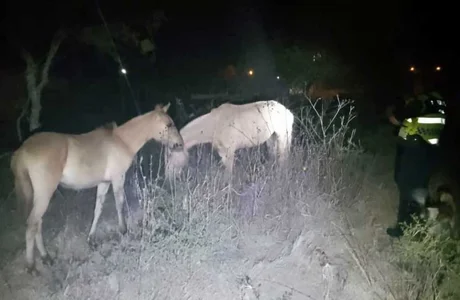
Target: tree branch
x,y
34,90
55,43
31,72
19,119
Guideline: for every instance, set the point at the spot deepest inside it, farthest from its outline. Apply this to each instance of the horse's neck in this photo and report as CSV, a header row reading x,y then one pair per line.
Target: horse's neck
x,y
134,133
198,131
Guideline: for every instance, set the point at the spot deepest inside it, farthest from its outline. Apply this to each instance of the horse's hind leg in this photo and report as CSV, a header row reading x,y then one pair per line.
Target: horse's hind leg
x,y
119,195
42,196
31,231
41,246
102,189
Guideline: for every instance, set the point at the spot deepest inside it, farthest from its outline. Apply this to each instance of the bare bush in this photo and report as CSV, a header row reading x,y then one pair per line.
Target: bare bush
x,y
430,261
207,215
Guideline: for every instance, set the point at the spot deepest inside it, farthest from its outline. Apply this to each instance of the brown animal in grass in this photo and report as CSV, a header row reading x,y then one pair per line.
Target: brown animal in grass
x,y
319,91
98,158
440,202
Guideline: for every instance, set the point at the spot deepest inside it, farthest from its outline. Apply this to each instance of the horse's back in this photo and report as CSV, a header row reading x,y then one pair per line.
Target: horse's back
x,y
278,114
256,113
42,146
94,157
253,123
89,152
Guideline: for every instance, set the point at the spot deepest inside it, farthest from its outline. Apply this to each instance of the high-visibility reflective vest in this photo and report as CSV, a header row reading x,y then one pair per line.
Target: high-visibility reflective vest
x,y
430,125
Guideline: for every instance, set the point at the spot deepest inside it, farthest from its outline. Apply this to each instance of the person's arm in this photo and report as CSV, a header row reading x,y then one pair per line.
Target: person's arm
x,y
395,113
402,110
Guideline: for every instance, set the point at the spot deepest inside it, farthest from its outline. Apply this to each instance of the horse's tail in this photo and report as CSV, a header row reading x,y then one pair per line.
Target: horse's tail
x,y
289,121
22,185
290,127
285,136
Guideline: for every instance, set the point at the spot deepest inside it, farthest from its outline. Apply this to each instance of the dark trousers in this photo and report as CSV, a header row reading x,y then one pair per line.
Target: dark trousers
x,y
415,161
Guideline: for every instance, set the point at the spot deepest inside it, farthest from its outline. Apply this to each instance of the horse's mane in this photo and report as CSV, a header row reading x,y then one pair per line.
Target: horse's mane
x,y
108,126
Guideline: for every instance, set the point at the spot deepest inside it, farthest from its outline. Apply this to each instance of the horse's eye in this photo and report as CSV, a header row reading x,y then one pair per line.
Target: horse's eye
x,y
169,125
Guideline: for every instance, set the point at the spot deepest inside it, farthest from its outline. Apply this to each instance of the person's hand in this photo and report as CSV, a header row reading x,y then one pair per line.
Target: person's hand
x,y
394,121
391,116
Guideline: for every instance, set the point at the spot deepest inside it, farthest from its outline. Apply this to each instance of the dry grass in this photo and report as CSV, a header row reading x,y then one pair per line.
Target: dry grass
x,y
313,229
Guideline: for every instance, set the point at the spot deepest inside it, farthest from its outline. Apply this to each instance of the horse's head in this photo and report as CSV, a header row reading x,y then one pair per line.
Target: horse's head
x,y
165,129
175,160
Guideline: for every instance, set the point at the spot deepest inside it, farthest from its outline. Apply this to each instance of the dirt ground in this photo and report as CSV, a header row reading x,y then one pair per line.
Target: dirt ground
x,y
321,251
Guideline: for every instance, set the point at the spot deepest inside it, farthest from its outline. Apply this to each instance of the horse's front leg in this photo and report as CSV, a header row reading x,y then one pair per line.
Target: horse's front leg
x,y
119,193
102,189
227,157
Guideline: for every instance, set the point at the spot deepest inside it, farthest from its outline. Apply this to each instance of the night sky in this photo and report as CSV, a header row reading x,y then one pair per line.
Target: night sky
x,y
370,35
381,40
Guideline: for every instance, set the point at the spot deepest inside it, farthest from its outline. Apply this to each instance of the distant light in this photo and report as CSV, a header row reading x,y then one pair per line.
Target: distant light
x,y
412,69
123,71
438,68
251,72
277,77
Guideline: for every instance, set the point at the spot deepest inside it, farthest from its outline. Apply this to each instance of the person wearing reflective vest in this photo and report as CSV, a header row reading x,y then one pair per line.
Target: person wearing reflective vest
x,y
421,121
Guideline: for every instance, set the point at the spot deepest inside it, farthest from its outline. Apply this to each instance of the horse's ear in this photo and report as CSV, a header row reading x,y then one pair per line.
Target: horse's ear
x,y
162,107
166,107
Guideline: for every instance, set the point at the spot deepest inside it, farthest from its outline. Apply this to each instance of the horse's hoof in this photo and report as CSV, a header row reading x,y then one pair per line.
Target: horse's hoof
x,y
123,230
47,260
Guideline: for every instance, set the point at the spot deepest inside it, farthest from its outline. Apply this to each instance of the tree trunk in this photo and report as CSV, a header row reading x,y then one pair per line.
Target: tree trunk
x,y
34,89
35,110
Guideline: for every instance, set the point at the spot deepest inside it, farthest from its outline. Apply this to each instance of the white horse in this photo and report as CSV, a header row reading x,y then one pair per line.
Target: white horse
x,y
230,127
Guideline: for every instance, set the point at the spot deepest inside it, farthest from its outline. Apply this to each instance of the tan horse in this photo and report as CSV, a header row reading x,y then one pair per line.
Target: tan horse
x,y
230,127
98,158
318,90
